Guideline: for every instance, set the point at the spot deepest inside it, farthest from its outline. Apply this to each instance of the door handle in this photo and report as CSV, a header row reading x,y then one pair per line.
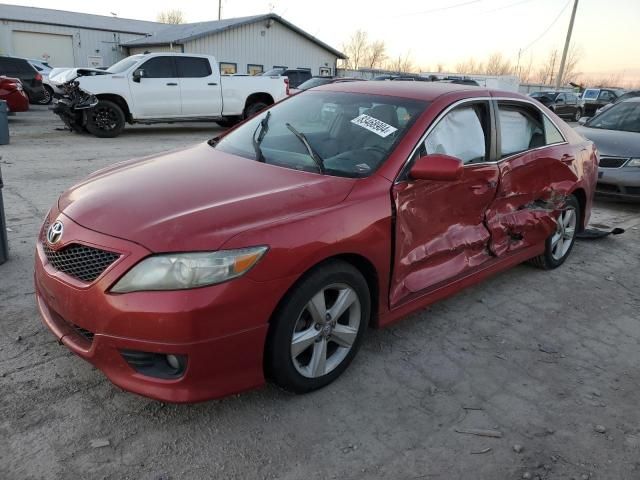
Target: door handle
x,y
566,158
171,84
212,83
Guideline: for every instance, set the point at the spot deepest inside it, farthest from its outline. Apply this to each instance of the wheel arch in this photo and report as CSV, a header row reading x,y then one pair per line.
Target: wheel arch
x,y
360,263
118,100
258,97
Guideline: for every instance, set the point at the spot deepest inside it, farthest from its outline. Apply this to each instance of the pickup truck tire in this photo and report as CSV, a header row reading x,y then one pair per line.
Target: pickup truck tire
x,y
105,120
229,122
254,108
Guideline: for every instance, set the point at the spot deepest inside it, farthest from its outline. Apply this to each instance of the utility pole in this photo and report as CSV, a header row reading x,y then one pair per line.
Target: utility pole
x,y
566,45
220,10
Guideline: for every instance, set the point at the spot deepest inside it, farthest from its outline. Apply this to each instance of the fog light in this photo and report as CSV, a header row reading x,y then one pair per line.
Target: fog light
x,y
173,362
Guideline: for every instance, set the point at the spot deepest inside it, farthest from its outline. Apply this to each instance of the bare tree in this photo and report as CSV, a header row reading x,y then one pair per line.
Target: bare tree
x,y
356,50
571,73
171,16
546,71
470,66
401,63
376,54
497,65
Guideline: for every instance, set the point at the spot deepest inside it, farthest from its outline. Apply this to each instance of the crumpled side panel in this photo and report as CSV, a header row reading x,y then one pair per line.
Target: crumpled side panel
x,y
532,193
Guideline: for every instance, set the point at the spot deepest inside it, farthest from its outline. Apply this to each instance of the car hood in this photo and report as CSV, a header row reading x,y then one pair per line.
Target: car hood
x,y
59,76
195,199
613,143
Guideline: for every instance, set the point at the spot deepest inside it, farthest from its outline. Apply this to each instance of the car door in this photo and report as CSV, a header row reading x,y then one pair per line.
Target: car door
x,y
200,88
536,169
561,104
439,230
572,104
157,93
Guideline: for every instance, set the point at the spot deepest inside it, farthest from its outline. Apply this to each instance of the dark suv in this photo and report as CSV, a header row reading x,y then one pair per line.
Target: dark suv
x,y
564,104
29,76
296,76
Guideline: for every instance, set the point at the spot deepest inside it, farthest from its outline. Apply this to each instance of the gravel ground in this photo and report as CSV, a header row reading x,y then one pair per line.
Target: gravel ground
x,y
548,359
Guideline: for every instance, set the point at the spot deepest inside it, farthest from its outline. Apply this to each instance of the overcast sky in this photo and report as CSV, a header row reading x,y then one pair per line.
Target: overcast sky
x,y
434,31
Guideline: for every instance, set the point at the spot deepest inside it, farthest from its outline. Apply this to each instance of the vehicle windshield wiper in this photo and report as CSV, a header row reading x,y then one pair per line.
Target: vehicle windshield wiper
x,y
263,126
312,153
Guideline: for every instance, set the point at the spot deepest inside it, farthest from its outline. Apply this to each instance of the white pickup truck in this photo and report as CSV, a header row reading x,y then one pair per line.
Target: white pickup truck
x,y
159,88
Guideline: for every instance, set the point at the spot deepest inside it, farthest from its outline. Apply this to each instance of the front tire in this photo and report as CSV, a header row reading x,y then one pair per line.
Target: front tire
x,y
319,328
559,245
105,120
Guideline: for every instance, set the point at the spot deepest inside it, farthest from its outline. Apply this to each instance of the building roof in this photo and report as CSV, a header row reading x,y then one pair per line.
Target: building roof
x,y
179,34
75,19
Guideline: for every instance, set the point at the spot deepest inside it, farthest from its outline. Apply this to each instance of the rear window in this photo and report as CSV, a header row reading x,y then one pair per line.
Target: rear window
x,y
590,94
193,67
16,67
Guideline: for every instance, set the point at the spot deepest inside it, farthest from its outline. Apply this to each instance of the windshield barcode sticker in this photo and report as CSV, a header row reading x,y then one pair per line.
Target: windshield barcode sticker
x,y
374,125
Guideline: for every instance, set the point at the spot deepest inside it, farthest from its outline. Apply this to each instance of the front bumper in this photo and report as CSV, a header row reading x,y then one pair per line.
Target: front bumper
x,y
622,183
221,329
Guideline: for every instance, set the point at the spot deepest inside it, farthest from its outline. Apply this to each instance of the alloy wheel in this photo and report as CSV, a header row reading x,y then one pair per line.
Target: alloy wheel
x,y
565,233
325,330
47,97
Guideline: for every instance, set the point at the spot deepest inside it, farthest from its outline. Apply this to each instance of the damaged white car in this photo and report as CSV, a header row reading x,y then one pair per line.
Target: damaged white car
x,y
159,88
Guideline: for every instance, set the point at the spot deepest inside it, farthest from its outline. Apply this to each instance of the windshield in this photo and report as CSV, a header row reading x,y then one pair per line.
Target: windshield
x,y
336,133
548,95
314,82
274,72
622,116
124,64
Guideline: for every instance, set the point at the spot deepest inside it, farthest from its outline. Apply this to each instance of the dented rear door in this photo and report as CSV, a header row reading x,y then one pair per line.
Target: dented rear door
x,y
537,172
440,231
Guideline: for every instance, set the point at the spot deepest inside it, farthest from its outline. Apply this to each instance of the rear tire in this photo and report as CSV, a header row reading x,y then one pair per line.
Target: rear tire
x,y
229,122
254,108
578,115
559,244
105,120
48,96
311,339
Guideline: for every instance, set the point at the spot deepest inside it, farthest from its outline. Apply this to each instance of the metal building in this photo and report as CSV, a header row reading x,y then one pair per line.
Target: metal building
x,y
246,45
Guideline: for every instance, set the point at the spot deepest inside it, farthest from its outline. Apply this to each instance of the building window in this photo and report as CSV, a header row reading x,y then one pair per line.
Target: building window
x,y
280,66
254,69
325,71
228,68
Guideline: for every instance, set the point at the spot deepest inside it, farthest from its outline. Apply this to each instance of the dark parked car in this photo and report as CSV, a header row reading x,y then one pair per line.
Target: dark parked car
x,y
563,104
29,76
285,238
616,133
595,98
317,81
296,76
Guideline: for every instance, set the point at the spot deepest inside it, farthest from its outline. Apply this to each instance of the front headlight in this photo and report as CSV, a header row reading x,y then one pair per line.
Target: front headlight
x,y
634,162
179,271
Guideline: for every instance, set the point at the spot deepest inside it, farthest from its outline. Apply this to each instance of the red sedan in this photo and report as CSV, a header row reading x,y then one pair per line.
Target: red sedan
x,y
268,251
11,91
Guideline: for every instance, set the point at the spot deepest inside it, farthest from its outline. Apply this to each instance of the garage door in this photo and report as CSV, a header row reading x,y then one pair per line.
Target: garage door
x,y
57,49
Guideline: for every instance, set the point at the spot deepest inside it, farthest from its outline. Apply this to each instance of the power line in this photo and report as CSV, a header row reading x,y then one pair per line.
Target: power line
x,y
548,28
439,9
504,7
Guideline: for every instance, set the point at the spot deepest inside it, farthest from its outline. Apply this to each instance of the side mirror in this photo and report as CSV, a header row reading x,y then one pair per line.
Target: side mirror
x,y
138,74
437,167
583,120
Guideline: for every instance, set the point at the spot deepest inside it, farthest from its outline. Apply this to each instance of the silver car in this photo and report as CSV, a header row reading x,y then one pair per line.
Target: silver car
x,y
616,133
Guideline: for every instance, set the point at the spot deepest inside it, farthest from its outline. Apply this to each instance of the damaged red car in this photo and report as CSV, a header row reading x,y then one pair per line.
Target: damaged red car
x,y
266,253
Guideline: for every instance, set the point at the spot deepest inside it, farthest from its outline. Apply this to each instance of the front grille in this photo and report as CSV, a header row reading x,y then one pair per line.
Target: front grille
x,y
605,187
612,162
79,261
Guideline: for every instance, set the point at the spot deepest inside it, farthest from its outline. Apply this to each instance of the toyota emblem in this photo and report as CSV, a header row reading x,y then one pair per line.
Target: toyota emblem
x,y
54,232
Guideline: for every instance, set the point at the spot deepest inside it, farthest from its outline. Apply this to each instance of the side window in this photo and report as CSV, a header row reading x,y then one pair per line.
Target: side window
x,y
461,133
521,128
193,67
159,67
561,98
572,99
605,96
551,133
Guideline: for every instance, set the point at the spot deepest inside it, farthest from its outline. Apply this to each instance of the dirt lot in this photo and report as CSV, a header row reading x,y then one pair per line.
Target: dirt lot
x,y
546,358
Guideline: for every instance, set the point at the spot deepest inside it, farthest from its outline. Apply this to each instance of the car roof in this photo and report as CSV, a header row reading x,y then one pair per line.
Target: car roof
x,y
631,99
408,89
